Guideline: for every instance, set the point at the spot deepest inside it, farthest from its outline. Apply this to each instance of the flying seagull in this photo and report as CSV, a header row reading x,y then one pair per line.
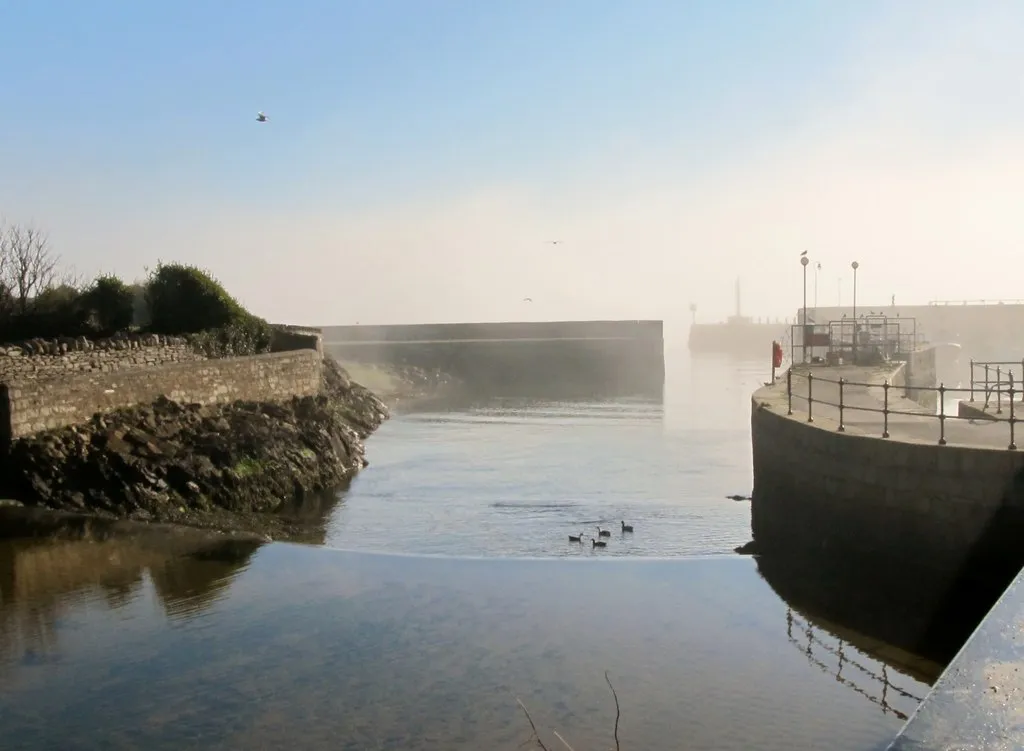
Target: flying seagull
x,y
554,242
260,117
527,299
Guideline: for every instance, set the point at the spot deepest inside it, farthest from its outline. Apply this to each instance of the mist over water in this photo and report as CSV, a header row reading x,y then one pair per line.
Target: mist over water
x,y
516,477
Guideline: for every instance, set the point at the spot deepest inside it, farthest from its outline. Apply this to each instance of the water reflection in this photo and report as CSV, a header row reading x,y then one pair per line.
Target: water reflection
x,y
42,581
311,648
835,656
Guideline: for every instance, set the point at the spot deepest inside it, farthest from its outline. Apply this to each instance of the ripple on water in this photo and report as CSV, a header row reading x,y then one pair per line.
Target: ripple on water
x,y
516,478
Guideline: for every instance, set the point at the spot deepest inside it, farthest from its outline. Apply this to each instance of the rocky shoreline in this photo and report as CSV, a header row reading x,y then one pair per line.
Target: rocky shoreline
x,y
227,467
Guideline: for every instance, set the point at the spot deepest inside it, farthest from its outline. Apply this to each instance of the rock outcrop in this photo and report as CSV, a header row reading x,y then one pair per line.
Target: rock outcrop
x,y
212,465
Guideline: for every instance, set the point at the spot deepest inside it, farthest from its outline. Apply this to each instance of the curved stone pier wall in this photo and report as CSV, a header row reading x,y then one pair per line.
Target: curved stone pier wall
x,y
944,522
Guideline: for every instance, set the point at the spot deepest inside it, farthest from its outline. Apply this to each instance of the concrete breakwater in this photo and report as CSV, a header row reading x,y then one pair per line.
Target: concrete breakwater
x,y
931,529
553,359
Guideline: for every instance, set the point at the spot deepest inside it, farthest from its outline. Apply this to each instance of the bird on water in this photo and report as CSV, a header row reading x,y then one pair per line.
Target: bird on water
x,y
603,532
627,527
598,543
576,538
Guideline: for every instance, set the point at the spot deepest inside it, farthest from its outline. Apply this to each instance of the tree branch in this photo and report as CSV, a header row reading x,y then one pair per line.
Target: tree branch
x,y
617,713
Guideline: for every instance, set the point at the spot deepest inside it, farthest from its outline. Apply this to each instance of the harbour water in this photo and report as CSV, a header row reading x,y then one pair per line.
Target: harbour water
x,y
446,589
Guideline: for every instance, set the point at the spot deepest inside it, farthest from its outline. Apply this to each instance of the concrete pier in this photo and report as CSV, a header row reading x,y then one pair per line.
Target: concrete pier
x,y
978,701
933,527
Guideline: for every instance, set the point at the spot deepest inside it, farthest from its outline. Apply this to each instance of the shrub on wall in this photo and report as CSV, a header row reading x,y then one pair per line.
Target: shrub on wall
x,y
54,312
110,305
247,337
187,300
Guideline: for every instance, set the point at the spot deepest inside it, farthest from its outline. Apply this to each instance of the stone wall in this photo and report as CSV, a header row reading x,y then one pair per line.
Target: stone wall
x,y
28,407
48,358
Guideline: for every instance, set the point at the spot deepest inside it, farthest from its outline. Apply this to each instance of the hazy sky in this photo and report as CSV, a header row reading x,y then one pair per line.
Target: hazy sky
x,y
421,152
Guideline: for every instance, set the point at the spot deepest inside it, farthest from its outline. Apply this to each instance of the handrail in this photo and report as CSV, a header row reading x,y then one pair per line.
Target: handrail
x,y
1009,301
990,368
941,392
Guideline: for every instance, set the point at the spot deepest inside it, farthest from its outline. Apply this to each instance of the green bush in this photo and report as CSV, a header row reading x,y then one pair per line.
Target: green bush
x,y
187,300
110,305
249,337
55,312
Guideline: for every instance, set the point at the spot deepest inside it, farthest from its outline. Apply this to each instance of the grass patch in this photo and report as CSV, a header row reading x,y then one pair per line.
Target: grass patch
x,y
248,467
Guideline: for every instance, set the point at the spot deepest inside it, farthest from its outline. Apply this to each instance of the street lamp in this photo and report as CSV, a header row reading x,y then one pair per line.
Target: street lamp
x,y
693,313
803,333
856,328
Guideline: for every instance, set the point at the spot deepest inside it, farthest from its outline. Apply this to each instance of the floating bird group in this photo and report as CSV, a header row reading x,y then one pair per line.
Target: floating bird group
x,y
597,543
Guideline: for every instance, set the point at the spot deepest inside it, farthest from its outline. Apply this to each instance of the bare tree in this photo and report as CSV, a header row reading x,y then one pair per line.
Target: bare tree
x,y
27,264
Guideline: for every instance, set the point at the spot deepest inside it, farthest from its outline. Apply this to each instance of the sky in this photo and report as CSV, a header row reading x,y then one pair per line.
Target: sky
x,y
421,154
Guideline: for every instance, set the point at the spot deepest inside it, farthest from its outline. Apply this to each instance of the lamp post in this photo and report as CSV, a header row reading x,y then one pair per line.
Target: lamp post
x,y
693,313
803,332
856,327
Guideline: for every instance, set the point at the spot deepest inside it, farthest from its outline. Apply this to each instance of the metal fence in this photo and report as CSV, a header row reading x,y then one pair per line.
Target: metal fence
x,y
1003,384
995,378
875,686
868,338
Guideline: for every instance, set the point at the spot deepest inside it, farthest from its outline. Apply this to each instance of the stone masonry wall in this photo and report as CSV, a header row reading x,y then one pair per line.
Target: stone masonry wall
x,y
883,498
28,407
42,358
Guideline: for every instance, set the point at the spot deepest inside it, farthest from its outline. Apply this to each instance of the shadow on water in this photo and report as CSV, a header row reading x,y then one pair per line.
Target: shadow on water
x,y
899,590
853,610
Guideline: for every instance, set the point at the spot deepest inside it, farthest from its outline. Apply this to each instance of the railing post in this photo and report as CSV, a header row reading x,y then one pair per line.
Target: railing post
x,y
999,389
986,385
972,379
841,428
942,414
1013,437
810,397
789,389
885,409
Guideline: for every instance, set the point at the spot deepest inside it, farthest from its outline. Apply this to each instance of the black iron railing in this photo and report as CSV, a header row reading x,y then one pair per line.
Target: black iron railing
x,y
1011,388
995,378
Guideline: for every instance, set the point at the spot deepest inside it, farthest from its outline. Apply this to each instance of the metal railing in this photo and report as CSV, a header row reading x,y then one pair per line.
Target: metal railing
x,y
806,638
976,302
1012,389
994,377
870,337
